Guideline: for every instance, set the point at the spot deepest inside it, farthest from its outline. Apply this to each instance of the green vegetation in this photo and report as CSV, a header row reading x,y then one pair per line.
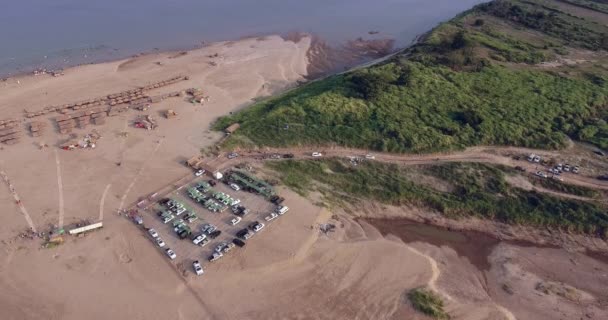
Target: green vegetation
x,y
477,190
558,186
428,303
471,81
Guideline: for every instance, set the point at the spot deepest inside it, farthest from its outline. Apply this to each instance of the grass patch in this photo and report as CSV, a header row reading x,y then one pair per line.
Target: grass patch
x,y
428,303
478,190
558,186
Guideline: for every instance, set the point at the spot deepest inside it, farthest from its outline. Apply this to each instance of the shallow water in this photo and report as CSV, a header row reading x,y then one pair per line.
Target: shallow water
x,y
59,33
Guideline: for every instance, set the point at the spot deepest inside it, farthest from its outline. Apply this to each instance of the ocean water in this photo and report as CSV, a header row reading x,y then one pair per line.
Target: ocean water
x,y
61,33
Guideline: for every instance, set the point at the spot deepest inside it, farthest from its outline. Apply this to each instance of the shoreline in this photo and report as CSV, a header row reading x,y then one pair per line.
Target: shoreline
x,y
333,51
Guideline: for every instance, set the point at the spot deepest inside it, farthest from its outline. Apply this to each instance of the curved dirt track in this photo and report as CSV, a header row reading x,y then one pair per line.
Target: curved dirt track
x,y
493,155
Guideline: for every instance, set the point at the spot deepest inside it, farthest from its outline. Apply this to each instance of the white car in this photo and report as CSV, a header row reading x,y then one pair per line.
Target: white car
x,y
575,169
317,154
370,156
199,239
235,187
197,268
566,168
153,233
199,173
536,159
271,217
180,211
215,256
160,242
168,219
258,227
171,254
282,210
235,221
541,174
558,178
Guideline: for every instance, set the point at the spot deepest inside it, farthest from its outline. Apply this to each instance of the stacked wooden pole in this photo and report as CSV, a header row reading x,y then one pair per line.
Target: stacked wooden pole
x,y
10,133
37,128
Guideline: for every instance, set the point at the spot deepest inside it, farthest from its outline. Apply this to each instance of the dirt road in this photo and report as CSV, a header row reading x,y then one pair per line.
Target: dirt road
x,y
493,155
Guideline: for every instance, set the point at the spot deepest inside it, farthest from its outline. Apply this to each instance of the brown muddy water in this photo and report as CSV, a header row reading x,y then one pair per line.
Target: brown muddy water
x,y
473,245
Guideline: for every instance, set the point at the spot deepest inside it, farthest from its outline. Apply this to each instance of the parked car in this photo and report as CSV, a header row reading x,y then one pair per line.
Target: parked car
x,y
228,247
317,154
558,178
536,159
215,234
370,156
138,220
256,226
271,216
599,153
288,156
245,234
208,228
235,187
541,174
566,168
575,169
171,254
220,247
198,269
160,242
215,256
199,239
282,210
603,177
240,243
153,233
235,220
199,173
531,157
522,169
232,155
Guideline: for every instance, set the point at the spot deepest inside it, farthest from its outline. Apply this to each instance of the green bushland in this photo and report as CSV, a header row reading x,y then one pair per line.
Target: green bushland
x,y
469,82
558,186
428,303
477,190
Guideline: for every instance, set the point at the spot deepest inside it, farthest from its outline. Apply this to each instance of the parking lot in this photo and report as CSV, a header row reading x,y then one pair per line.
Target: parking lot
x,y
185,250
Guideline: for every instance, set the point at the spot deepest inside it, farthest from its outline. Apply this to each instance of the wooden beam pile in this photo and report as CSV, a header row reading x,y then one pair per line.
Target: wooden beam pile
x,y
112,99
65,124
82,119
37,128
10,133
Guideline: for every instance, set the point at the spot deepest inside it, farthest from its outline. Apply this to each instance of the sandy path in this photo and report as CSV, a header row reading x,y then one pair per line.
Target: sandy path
x,y
11,188
102,201
60,187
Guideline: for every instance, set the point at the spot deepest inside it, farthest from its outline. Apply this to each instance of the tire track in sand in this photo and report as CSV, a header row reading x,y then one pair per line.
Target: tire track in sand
x,y
102,201
11,188
138,174
60,186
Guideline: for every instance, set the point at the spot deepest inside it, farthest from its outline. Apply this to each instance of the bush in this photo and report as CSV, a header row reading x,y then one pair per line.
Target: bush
x,y
428,303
